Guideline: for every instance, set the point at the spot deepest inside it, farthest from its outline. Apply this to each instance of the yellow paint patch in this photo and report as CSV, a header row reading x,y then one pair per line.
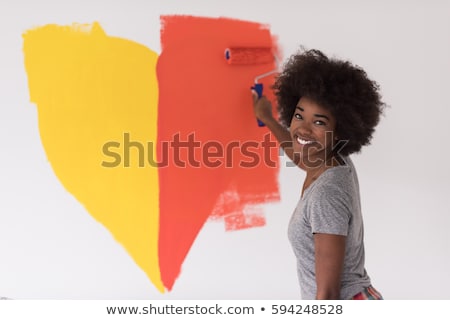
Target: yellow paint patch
x,y
91,89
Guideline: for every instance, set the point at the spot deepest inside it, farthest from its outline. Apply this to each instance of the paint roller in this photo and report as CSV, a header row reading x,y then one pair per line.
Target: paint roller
x,y
250,56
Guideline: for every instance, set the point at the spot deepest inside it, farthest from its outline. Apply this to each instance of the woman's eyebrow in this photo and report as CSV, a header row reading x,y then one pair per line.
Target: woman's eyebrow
x,y
321,116
316,115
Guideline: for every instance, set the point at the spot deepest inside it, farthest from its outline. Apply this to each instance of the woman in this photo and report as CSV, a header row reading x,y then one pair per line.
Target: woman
x,y
331,109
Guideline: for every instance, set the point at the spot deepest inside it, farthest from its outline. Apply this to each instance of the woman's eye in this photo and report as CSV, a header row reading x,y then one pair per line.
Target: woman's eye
x,y
320,123
297,116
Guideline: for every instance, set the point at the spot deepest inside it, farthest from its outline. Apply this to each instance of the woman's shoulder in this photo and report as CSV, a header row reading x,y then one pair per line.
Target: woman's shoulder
x,y
335,180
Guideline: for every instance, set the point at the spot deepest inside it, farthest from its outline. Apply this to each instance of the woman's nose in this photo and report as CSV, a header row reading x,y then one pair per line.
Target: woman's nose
x,y
304,129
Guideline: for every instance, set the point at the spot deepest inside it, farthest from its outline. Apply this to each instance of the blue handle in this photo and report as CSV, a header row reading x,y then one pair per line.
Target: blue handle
x,y
258,87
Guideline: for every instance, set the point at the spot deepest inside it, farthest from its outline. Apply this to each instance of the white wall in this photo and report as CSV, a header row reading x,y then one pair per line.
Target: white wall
x,y
51,248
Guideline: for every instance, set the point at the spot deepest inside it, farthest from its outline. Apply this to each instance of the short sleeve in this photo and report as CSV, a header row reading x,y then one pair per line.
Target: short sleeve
x,y
329,210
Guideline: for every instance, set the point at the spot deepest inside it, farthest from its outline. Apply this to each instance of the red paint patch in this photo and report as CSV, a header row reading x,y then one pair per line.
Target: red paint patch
x,y
243,221
206,103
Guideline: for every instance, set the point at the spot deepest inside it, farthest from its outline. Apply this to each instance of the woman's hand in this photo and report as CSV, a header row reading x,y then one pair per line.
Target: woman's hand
x,y
262,108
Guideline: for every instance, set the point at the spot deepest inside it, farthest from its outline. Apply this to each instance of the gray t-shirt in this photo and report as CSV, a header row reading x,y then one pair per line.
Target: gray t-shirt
x,y
331,205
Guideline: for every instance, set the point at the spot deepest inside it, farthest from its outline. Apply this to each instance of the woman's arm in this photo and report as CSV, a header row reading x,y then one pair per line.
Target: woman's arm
x,y
263,111
329,256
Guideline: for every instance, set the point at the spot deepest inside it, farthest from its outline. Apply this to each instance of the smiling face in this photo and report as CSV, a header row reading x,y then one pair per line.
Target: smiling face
x,y
312,131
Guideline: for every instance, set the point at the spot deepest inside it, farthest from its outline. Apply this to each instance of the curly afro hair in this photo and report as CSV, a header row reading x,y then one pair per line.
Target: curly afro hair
x,y
339,86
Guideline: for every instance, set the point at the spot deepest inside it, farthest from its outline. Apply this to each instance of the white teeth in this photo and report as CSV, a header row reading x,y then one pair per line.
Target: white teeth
x,y
301,141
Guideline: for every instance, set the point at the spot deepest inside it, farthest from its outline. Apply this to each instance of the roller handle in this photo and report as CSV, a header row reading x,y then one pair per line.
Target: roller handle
x,y
258,87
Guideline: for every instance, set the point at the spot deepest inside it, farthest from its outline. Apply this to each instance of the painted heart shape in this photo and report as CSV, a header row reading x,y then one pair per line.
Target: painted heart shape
x,y
153,146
